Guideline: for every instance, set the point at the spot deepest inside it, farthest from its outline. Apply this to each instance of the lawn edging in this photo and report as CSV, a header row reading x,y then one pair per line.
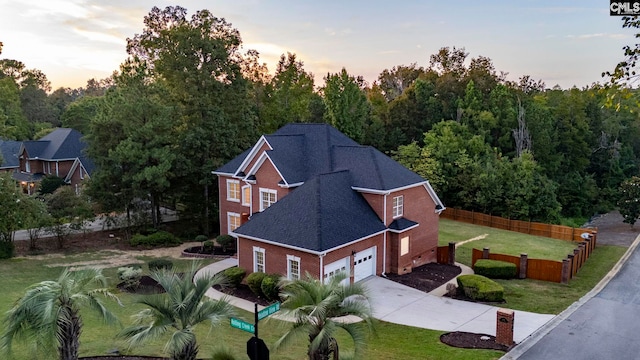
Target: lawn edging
x,y
532,339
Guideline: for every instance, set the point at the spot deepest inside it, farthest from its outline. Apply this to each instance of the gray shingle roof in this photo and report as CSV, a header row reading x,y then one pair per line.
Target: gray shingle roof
x,y
61,143
9,150
302,151
320,215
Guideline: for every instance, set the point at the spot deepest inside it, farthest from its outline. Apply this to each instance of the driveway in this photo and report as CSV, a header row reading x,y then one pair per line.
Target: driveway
x,y
603,325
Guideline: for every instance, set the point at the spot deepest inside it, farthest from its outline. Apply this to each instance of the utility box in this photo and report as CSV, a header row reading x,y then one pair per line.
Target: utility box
x,y
504,327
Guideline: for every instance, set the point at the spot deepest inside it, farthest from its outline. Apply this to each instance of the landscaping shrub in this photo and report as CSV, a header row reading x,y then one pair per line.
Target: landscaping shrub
x,y
130,276
201,238
227,242
208,246
495,269
478,287
254,281
159,238
270,287
235,275
158,264
6,250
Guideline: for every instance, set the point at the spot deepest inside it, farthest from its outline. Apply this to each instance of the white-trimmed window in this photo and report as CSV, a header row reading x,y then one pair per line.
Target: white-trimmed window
x,y
233,221
398,206
246,195
404,245
233,190
293,267
258,259
267,198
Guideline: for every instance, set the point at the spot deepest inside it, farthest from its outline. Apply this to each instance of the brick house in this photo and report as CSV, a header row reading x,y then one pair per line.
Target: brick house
x,y
309,199
60,153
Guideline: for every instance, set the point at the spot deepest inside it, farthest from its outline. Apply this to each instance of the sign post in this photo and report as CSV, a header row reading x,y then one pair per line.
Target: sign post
x,y
256,348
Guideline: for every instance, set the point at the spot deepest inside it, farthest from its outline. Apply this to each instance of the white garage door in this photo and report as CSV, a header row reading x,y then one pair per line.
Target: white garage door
x,y
364,264
330,270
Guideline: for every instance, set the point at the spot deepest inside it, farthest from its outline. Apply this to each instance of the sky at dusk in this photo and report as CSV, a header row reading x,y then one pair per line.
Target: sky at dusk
x,y
566,43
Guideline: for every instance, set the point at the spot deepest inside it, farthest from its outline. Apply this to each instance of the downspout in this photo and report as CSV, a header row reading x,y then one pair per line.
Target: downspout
x,y
322,267
384,237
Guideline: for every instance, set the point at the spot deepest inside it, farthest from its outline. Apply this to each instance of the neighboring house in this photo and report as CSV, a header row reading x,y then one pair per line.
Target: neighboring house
x,y
60,153
9,155
309,199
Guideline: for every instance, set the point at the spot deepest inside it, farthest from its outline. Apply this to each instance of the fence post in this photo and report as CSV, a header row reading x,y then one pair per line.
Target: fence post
x,y
594,234
452,253
524,262
572,258
485,253
588,247
566,270
582,253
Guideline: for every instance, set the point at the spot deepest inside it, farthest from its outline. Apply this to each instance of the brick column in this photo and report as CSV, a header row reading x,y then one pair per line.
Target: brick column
x,y
523,266
504,327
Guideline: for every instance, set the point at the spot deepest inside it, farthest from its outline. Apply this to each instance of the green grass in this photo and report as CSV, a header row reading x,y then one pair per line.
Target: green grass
x,y
391,341
501,242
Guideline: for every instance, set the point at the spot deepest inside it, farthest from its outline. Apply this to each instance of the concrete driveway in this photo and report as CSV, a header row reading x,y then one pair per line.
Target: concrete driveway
x,y
604,324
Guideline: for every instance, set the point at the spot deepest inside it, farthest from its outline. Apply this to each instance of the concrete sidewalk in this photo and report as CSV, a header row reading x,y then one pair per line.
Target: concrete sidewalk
x,y
400,304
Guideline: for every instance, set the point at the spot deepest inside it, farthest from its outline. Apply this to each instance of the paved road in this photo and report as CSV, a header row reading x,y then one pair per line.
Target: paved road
x,y
604,325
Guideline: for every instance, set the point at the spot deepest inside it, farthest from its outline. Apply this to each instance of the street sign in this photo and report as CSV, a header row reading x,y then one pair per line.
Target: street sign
x,y
268,310
242,325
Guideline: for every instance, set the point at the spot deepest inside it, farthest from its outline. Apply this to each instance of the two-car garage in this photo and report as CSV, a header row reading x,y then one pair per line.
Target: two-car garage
x,y
364,265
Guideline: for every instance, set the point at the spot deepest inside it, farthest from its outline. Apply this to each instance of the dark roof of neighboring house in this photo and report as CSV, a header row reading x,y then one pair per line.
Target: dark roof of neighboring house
x,y
320,215
61,143
9,150
302,151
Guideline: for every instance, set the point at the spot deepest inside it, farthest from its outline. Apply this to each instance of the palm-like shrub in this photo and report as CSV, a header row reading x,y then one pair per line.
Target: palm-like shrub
x,y
178,311
48,315
317,308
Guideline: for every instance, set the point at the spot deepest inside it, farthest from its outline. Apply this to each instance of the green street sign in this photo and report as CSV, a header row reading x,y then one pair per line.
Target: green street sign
x,y
242,325
268,310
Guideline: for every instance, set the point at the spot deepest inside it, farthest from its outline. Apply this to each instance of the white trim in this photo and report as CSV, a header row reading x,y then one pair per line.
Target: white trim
x,y
403,230
257,250
229,216
264,156
435,197
253,153
384,243
382,192
286,186
244,200
267,191
235,182
397,209
290,259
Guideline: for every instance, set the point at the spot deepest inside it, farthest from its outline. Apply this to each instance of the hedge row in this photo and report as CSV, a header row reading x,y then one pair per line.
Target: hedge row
x,y
495,269
480,288
160,238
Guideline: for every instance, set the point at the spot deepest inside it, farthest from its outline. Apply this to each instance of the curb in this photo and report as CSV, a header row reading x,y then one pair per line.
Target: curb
x,y
533,339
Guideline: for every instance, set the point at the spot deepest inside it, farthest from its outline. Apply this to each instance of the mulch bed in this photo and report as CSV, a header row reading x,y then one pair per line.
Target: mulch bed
x,y
469,340
243,291
427,277
147,286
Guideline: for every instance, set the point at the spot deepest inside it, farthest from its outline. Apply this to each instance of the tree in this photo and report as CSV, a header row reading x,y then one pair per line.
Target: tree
x,y
395,81
629,203
69,211
315,307
346,104
48,315
35,219
177,311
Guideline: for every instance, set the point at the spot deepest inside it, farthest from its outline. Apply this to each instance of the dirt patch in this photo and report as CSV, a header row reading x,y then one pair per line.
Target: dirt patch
x,y
427,277
612,230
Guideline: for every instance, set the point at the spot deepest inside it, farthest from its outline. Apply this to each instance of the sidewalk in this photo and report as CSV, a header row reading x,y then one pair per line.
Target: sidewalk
x,y
400,304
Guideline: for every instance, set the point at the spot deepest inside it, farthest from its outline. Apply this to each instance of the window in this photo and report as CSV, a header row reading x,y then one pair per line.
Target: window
x,y
398,205
258,259
233,190
246,195
267,198
233,221
404,245
293,267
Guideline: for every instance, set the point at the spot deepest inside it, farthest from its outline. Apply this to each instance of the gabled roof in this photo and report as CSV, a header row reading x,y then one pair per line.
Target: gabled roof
x,y
322,214
9,150
60,144
302,151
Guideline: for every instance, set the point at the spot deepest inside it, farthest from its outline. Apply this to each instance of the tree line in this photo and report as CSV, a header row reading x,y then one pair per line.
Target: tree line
x,y
188,99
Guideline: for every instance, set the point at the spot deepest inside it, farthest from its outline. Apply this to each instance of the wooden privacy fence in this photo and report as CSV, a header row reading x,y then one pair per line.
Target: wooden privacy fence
x,y
446,254
540,269
527,227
